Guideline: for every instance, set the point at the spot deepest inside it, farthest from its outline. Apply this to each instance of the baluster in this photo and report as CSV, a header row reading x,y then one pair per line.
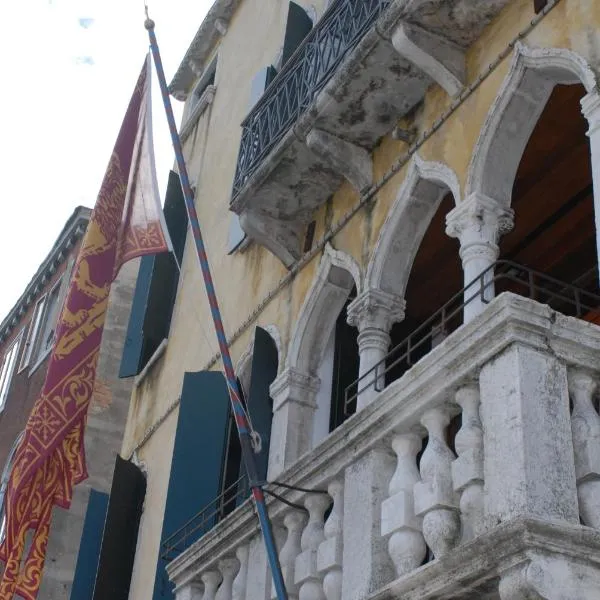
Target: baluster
x,y
211,580
238,591
467,469
406,545
228,567
434,497
307,576
294,522
190,591
329,557
585,427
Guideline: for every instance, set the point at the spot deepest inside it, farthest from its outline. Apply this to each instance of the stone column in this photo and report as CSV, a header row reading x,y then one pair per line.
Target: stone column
x,y
367,565
478,223
528,457
590,105
294,406
193,590
373,312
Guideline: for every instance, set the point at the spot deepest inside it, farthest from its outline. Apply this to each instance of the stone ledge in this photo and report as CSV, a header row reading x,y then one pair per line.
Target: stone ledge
x,y
469,569
507,320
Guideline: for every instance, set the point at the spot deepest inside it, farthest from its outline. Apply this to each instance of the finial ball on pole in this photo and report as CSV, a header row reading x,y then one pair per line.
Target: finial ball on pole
x,y
149,24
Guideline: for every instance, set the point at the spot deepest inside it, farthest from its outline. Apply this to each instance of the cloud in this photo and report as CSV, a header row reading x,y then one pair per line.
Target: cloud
x,y
84,60
86,22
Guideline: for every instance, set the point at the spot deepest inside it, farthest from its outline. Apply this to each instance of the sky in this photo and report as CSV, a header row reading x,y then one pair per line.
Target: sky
x,y
68,70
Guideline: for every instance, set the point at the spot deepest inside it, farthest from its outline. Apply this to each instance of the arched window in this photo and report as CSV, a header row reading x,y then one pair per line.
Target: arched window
x,y
4,484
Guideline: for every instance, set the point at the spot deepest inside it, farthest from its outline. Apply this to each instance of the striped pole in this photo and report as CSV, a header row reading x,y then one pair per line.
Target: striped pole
x,y
241,421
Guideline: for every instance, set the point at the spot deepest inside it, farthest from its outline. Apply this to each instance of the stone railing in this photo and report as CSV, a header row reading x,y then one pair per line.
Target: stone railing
x,y
491,507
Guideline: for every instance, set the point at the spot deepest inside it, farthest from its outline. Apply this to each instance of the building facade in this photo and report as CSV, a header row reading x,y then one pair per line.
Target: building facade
x,y
27,335
404,239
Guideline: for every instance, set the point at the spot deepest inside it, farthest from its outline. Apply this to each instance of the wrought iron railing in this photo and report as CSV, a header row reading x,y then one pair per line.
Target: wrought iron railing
x,y
308,70
502,276
206,519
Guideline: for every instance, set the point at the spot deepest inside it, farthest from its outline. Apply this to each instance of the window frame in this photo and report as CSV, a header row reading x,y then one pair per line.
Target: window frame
x,y
4,478
6,376
32,333
40,351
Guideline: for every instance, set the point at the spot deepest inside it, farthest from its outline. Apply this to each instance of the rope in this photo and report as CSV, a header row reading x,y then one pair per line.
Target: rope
x,y
370,195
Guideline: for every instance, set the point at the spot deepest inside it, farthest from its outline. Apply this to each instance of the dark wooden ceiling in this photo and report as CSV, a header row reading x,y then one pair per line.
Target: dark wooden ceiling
x,y
554,216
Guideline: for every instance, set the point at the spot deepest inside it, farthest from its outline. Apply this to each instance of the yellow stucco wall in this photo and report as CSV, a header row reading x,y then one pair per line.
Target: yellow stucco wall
x,y
244,279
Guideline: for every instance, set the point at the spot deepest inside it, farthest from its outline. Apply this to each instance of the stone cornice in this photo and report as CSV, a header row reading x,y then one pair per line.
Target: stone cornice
x,y
71,233
507,320
210,30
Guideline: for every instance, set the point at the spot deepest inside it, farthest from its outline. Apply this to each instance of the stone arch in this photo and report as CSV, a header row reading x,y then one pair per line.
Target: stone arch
x,y
338,273
533,74
424,187
243,367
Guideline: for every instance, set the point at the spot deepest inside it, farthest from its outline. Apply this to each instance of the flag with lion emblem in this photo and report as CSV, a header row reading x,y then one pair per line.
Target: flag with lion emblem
x,y
50,460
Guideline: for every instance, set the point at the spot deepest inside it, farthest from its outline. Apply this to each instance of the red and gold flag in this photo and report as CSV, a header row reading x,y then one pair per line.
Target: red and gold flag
x,y
126,223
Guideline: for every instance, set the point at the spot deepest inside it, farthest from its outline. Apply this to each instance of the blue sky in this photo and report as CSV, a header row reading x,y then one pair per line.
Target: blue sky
x,y
69,67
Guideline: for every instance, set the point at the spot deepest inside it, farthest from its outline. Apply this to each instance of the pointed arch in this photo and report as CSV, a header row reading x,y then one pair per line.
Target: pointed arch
x,y
533,74
338,273
424,187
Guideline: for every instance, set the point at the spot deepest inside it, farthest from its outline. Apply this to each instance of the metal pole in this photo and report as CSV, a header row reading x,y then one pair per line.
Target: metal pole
x,y
237,406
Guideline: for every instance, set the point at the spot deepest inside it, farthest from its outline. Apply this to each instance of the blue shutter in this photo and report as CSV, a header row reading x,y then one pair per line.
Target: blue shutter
x,y
297,28
260,404
132,349
89,547
119,539
197,463
156,289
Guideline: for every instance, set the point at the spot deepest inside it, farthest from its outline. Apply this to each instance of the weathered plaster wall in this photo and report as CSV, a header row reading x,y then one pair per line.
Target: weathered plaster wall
x,y
243,280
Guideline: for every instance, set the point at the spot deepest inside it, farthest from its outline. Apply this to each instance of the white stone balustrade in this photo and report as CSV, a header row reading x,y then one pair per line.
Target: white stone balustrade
x,y
238,591
406,544
294,522
585,426
467,469
435,499
525,470
228,568
306,572
330,553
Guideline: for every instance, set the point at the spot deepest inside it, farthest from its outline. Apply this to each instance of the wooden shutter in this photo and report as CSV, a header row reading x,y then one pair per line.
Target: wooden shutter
x,y
197,463
156,288
298,26
119,540
89,547
260,404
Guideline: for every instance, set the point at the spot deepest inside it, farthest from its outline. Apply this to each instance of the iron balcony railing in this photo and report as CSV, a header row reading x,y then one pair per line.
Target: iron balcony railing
x,y
206,519
502,276
308,70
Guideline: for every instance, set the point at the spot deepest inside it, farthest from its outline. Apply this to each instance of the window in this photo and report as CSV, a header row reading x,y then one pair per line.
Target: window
x,y
4,484
34,326
7,368
48,324
207,79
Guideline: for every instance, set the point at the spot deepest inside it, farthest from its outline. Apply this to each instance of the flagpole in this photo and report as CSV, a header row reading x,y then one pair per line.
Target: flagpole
x,y
241,421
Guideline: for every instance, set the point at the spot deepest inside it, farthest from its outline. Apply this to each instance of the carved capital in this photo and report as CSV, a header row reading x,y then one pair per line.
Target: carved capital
x,y
376,309
479,218
590,107
294,386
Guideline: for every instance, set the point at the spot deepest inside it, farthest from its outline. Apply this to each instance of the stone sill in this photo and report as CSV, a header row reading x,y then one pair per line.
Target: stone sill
x,y
203,103
472,570
508,319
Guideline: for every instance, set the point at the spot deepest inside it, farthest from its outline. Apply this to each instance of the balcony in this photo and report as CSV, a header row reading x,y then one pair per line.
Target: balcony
x,y
476,474
365,65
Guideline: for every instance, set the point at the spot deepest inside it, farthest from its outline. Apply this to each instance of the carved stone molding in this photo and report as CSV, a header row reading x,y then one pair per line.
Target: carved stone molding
x,y
376,309
350,160
442,60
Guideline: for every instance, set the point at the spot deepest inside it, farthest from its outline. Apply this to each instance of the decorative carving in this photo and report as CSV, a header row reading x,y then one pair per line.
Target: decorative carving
x,y
228,568
211,580
585,427
190,591
406,544
434,497
375,309
590,107
467,469
294,522
238,591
